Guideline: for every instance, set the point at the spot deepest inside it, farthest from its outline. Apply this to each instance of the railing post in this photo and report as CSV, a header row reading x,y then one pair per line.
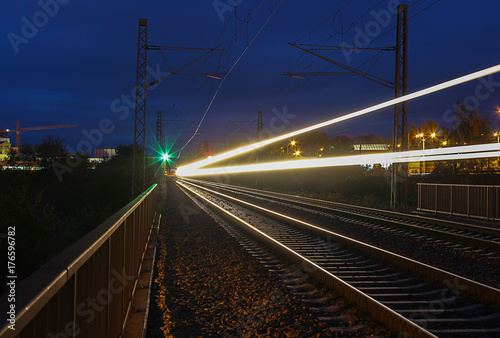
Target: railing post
x,y
75,285
436,199
108,278
487,204
124,269
419,189
468,201
88,269
451,199
497,203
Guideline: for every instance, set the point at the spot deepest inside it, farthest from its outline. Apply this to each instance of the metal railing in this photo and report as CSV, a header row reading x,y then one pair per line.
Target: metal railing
x,y
86,290
475,201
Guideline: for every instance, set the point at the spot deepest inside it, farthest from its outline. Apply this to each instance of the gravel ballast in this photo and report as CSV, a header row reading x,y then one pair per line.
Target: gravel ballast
x,y
206,284
461,263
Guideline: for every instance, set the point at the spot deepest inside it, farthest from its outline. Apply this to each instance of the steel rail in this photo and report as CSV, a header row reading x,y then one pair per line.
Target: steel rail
x,y
380,312
483,293
364,213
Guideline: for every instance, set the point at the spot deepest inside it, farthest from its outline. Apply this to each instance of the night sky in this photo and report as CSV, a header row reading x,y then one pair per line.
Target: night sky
x,y
78,65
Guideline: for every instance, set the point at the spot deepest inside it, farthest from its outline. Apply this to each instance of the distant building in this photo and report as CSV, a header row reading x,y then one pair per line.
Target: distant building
x,y
101,155
104,152
371,148
376,148
421,168
5,148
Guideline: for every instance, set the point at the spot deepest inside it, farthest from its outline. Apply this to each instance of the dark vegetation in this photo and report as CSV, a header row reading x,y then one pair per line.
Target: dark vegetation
x,y
353,184
49,214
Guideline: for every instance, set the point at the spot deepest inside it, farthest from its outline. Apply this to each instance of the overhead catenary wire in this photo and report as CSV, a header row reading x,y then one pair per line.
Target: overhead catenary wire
x,y
298,62
284,88
227,48
411,17
287,93
232,44
357,37
360,17
227,74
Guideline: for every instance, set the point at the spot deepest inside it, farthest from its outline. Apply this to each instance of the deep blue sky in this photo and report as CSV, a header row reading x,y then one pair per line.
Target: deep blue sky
x,y
83,58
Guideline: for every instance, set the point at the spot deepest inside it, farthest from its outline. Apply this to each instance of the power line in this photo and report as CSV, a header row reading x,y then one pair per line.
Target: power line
x,y
380,24
222,56
227,74
286,93
335,34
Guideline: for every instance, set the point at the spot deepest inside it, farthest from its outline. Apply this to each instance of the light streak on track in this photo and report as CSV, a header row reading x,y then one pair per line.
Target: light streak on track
x,y
440,154
183,170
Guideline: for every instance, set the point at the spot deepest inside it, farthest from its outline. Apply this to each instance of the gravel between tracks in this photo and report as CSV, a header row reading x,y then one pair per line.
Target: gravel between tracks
x,y
464,264
206,284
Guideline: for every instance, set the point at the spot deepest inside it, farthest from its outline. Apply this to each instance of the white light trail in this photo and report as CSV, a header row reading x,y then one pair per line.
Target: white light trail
x,y
420,93
440,154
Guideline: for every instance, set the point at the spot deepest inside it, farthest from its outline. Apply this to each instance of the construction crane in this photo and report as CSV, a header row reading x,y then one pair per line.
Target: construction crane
x,y
18,131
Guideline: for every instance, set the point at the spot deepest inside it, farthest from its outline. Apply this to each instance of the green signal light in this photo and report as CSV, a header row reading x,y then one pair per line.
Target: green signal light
x,y
165,157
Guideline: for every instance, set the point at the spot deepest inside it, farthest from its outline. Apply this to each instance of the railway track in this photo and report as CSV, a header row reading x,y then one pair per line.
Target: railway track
x,y
409,297
480,240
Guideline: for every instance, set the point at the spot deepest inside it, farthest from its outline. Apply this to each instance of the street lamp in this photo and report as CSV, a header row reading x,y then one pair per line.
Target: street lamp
x,y
421,136
292,143
297,153
497,134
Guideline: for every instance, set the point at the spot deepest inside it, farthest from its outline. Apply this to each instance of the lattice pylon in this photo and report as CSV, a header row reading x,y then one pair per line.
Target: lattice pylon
x,y
260,127
399,184
139,152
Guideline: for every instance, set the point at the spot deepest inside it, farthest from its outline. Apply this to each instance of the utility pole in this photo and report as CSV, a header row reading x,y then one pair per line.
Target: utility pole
x,y
399,179
159,144
159,132
139,152
260,126
399,172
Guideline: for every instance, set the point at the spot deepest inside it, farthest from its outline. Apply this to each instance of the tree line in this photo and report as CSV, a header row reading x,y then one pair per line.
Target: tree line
x,y
49,214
